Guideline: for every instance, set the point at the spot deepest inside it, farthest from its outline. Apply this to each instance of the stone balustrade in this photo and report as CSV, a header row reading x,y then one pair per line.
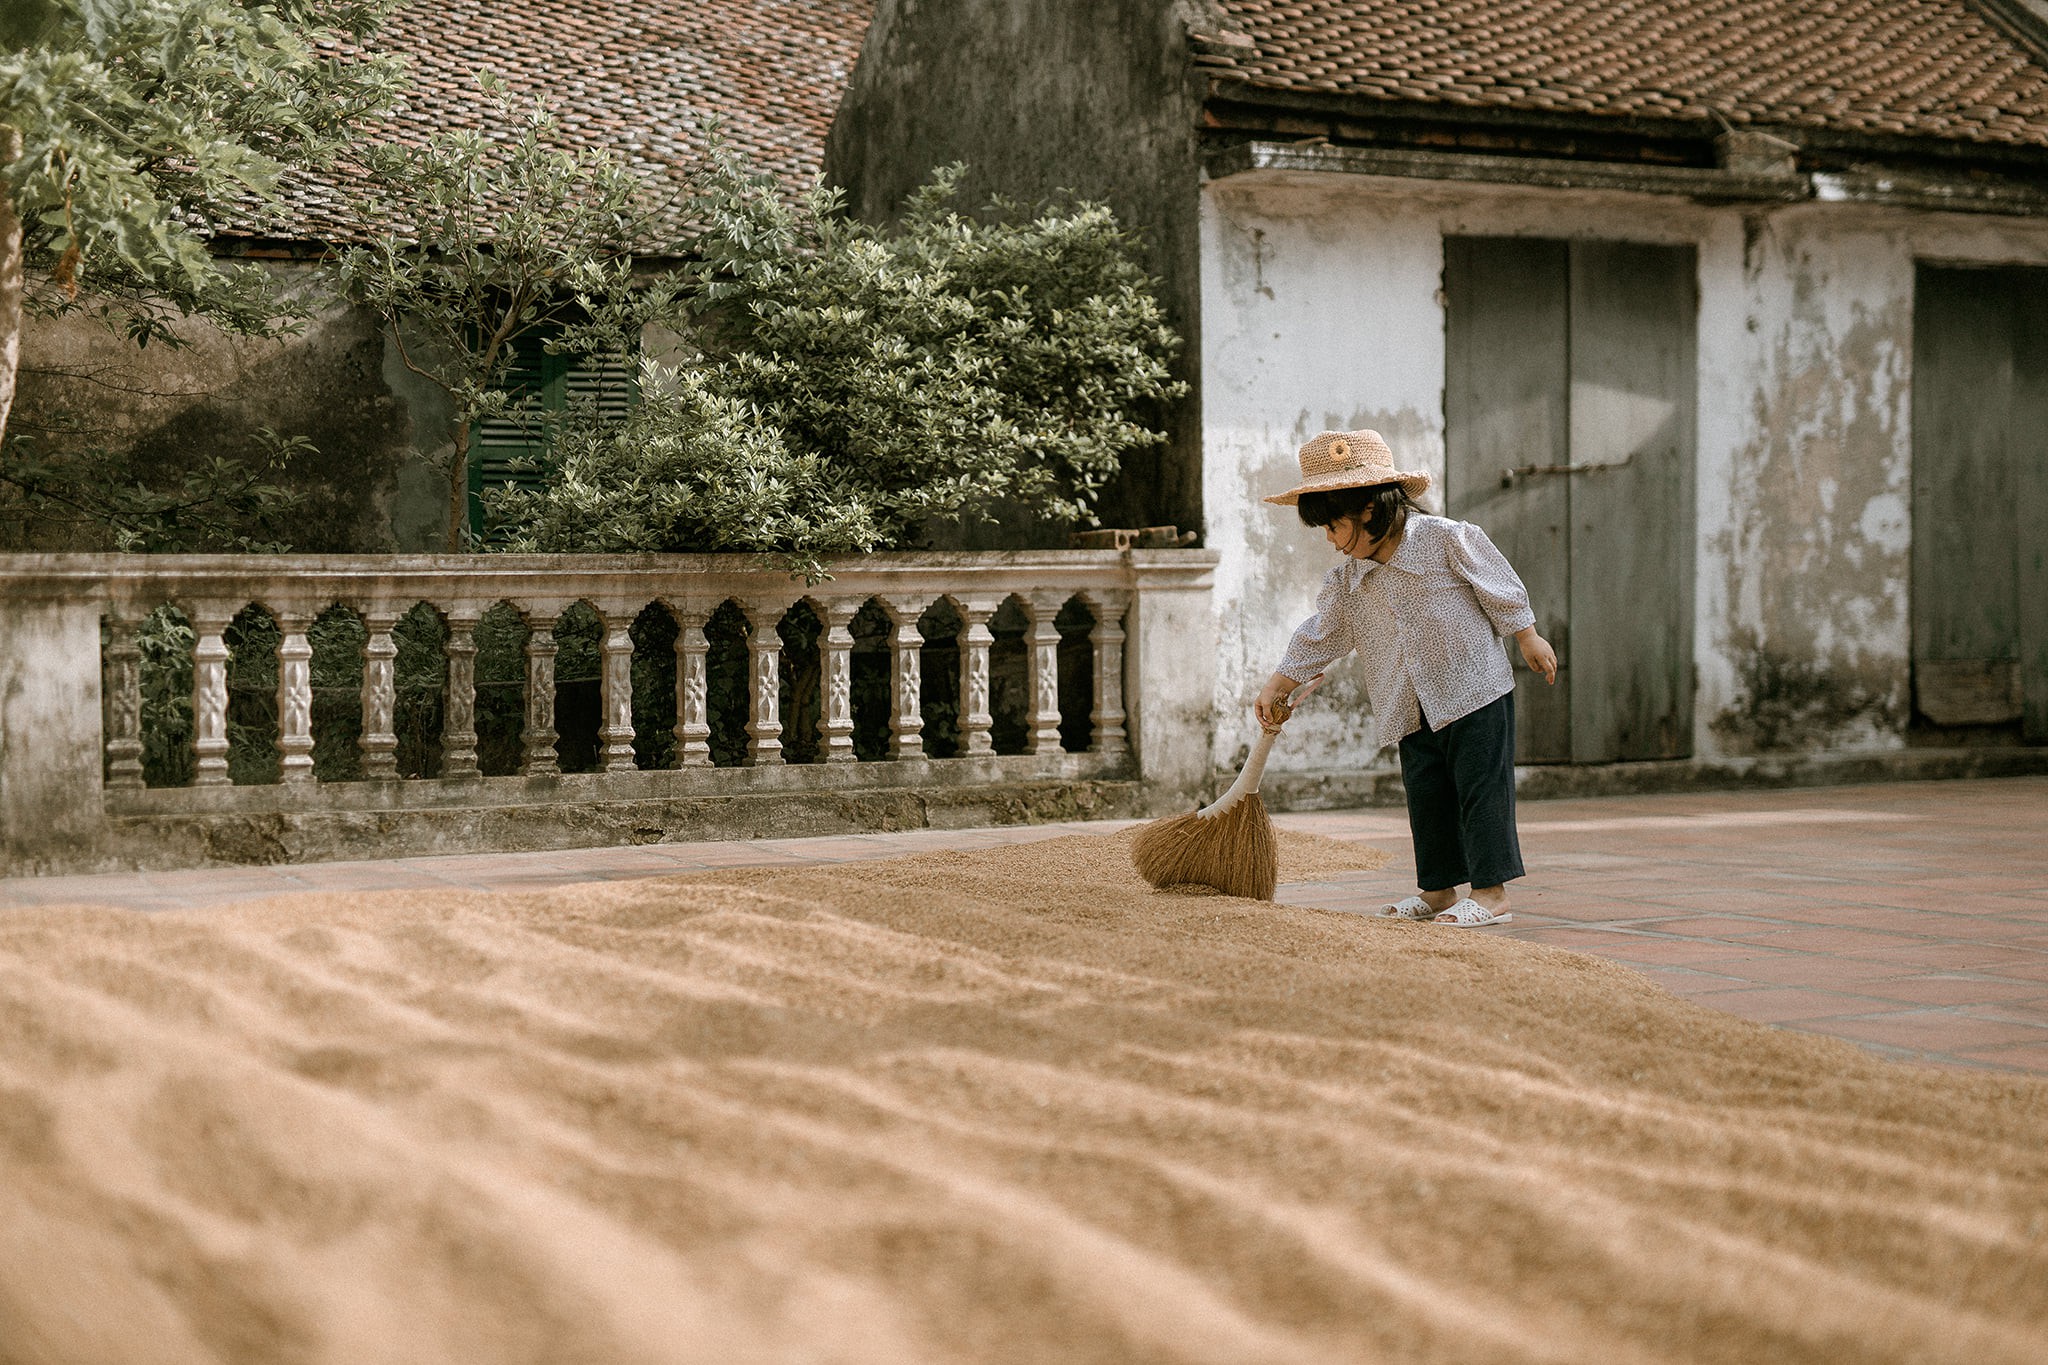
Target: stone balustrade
x,y
1127,634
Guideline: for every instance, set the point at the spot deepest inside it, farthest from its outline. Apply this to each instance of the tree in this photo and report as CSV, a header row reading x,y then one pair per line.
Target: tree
x,y
492,243
131,129
851,384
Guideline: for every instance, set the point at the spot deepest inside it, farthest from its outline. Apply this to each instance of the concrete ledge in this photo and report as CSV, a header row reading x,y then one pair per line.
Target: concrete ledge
x,y
243,838
1382,786
647,785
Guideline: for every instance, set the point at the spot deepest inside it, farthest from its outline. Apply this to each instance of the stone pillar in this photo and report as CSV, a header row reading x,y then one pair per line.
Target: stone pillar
x,y
1043,674
537,739
975,639
615,707
1107,717
52,732
123,719
835,657
1170,658
693,689
210,699
906,678
294,700
379,742
764,683
458,706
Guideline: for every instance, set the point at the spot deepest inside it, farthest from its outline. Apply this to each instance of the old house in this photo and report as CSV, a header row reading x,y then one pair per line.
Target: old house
x,y
642,81
1727,318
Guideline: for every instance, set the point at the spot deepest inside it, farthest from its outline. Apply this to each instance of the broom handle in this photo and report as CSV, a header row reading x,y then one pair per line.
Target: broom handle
x,y
1255,766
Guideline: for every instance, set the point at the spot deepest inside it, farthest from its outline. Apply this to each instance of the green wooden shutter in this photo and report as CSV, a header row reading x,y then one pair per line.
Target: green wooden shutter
x,y
512,450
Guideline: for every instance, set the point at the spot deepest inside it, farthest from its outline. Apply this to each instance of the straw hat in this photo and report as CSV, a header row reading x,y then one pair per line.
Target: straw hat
x,y
1349,459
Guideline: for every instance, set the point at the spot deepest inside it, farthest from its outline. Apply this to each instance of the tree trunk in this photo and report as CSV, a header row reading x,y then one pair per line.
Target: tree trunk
x,y
12,282
458,489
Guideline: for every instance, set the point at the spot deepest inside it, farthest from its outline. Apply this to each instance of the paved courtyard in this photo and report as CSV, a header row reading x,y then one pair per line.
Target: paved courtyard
x,y
1911,918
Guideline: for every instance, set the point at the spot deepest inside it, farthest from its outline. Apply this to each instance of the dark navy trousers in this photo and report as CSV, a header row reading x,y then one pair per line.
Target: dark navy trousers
x,y
1461,798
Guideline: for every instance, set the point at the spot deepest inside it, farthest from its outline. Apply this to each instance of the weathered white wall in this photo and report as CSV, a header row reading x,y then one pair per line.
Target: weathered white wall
x,y
1322,307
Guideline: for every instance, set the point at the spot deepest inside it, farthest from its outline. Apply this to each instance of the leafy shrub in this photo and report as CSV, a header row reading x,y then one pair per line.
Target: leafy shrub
x,y
850,384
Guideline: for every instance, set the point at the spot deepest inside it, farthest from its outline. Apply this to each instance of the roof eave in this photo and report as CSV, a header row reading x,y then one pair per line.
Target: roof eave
x,y
1698,184
1225,93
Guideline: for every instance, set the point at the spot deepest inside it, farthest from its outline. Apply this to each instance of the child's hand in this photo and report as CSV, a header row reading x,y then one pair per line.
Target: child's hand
x,y
1537,653
1270,706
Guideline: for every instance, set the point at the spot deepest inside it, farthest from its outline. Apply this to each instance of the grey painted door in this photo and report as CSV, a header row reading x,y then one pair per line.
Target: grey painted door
x,y
1569,418
1980,498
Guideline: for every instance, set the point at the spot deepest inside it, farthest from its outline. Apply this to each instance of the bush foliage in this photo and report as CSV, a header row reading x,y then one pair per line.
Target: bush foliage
x,y
845,385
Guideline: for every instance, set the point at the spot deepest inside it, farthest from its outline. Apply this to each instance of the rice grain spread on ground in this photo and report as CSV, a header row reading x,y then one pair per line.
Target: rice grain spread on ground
x,y
999,1106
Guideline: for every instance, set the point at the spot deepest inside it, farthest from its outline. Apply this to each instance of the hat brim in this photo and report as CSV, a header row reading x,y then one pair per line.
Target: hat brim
x,y
1415,484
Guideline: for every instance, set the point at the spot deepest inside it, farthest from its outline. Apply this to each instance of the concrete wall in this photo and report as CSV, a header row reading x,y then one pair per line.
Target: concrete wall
x,y
337,383
1039,97
1322,306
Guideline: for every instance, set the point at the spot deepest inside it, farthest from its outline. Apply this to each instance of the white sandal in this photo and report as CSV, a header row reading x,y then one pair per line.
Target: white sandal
x,y
1470,914
1414,908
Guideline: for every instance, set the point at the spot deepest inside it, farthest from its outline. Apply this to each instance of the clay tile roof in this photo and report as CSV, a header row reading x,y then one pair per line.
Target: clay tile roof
x,y
1916,68
640,78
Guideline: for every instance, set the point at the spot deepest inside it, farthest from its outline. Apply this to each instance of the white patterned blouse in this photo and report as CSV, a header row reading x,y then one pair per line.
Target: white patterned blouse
x,y
1427,623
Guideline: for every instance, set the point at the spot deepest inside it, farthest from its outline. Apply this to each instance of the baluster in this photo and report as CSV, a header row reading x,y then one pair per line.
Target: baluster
x,y
123,718
458,708
975,639
1044,676
764,658
1107,717
537,740
210,699
379,744
693,688
906,677
616,692
294,700
835,647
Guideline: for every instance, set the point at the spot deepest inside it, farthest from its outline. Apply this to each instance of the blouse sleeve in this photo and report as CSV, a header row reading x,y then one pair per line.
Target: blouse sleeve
x,y
1493,580
1322,639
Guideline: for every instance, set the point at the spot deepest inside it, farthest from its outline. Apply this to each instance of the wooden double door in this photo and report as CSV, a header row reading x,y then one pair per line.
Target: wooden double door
x,y
1980,500
1569,416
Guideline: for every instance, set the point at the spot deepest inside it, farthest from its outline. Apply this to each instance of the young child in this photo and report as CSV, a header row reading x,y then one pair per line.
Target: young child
x,y
1424,601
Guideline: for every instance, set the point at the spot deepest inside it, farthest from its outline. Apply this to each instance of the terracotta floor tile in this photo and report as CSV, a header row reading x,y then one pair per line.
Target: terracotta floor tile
x,y
2029,972
1956,988
1954,954
1788,1004
1693,983
1601,909
1749,928
1674,952
1937,1032
1838,939
1816,969
2018,1056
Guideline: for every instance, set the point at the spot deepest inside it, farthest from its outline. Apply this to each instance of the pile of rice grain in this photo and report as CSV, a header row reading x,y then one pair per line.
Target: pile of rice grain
x,y
997,1106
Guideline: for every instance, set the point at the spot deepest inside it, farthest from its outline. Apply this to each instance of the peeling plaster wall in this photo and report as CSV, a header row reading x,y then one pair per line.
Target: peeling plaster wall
x,y
1322,308
1319,311
1806,509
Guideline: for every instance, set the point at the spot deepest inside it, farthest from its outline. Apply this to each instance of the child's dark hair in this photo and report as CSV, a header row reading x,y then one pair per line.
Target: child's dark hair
x,y
1381,507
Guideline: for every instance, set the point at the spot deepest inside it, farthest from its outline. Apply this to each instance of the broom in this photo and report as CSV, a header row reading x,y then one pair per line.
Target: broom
x,y
1228,844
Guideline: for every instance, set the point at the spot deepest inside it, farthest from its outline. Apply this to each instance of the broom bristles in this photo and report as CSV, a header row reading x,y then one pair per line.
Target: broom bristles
x,y
1233,850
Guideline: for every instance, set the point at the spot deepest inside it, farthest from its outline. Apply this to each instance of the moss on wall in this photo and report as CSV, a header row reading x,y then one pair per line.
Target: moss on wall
x,y
168,409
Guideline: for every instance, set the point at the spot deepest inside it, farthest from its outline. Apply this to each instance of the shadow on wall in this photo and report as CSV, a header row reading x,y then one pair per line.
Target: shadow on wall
x,y
157,407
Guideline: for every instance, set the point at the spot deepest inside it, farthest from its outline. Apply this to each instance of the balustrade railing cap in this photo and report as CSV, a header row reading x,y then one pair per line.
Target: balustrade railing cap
x,y
296,580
